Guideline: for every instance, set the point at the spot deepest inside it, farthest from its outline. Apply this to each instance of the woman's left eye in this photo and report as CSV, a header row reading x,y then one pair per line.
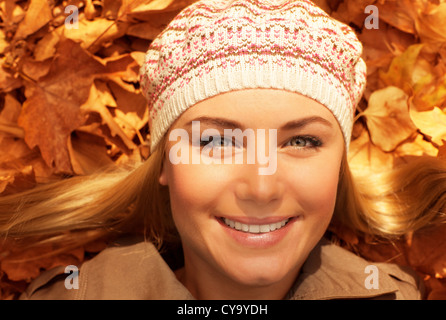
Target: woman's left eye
x,y
304,142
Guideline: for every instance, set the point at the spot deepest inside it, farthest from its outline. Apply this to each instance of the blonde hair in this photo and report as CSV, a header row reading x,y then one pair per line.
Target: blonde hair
x,y
111,202
130,199
410,197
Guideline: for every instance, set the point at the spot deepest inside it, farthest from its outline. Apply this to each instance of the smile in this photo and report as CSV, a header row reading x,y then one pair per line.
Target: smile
x,y
255,228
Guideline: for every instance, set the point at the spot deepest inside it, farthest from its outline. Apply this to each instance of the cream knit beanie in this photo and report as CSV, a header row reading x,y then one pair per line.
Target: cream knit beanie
x,y
216,46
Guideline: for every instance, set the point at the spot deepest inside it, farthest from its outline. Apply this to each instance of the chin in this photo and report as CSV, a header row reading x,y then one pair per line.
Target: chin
x,y
259,272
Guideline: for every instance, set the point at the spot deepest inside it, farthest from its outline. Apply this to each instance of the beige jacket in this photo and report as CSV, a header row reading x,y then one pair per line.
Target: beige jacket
x,y
137,271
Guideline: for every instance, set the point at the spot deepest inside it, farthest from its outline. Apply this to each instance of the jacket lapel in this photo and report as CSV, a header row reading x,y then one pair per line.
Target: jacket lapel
x,y
331,272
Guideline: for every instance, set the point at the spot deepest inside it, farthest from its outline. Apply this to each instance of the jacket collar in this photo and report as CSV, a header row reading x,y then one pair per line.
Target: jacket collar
x,y
331,272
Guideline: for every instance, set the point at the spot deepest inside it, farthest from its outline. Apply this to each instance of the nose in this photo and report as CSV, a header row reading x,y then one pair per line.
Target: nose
x,y
259,189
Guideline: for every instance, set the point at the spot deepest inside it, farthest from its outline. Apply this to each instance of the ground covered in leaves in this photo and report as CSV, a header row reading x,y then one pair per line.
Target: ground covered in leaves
x,y
70,104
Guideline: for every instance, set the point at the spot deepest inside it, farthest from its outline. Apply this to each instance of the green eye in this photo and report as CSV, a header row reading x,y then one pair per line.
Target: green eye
x,y
304,142
215,142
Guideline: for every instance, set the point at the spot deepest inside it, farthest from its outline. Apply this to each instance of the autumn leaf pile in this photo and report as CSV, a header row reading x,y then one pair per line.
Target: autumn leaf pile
x,y
70,103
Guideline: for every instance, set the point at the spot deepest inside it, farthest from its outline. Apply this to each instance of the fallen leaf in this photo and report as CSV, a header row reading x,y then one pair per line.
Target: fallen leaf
x,y
154,23
352,11
46,47
8,80
365,158
95,103
442,150
399,14
132,108
92,34
13,13
110,9
428,251
87,153
89,10
33,69
13,181
52,109
125,67
22,266
37,15
431,123
437,288
3,43
387,117
8,118
430,25
401,69
430,93
416,148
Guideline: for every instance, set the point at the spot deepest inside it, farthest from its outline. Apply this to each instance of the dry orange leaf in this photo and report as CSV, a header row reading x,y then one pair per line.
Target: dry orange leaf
x,y
416,147
430,24
52,109
46,47
95,103
8,80
14,180
37,15
8,118
399,14
92,34
442,150
352,11
432,123
388,119
365,158
431,93
401,69
88,152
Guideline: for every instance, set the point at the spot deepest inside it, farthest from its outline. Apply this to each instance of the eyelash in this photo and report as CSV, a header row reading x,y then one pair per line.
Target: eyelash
x,y
208,140
314,141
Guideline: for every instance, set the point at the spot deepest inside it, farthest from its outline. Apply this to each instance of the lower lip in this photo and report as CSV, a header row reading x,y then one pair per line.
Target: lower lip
x,y
258,240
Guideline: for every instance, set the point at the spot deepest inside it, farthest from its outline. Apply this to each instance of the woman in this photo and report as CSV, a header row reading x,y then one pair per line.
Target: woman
x,y
251,112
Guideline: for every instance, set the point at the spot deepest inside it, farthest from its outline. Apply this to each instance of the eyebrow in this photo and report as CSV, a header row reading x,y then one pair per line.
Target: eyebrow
x,y
232,124
300,123
216,122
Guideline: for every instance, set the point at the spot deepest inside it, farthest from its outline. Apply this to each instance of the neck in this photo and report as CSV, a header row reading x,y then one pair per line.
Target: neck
x,y
210,285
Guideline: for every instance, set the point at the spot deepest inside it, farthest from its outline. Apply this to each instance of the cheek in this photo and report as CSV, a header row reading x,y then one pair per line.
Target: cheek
x,y
194,190
316,189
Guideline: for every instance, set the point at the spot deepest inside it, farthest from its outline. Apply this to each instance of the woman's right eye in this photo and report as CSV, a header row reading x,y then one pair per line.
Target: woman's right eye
x,y
215,142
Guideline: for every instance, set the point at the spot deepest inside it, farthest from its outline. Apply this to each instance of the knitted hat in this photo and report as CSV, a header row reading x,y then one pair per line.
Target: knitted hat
x,y
216,46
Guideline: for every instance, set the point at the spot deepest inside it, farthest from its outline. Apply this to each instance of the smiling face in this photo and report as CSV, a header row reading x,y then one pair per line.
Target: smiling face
x,y
243,232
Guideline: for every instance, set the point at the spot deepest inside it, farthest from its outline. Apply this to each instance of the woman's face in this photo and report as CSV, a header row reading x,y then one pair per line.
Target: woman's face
x,y
238,226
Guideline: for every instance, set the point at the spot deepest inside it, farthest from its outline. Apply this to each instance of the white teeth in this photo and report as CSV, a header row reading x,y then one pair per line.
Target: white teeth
x,y
255,228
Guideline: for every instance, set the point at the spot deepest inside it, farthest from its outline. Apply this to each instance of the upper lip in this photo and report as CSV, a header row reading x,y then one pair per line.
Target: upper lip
x,y
258,221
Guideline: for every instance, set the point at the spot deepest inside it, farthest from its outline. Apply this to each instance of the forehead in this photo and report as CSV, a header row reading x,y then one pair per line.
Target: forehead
x,y
255,108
